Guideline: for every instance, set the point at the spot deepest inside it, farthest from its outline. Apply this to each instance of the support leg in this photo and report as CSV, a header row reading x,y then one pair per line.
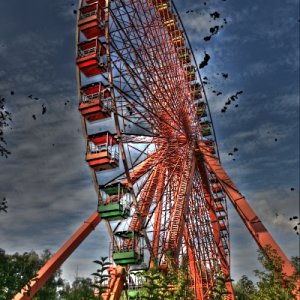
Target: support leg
x,y
58,258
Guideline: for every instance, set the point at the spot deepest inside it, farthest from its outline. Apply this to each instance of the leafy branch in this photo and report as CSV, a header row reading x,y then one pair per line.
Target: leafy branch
x,y
101,276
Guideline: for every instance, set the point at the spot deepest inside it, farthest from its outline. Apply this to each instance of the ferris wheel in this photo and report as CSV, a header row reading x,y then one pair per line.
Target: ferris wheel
x,y
151,149
144,114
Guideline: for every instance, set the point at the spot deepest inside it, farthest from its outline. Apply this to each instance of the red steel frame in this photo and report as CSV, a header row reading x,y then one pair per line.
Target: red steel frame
x,y
58,258
178,187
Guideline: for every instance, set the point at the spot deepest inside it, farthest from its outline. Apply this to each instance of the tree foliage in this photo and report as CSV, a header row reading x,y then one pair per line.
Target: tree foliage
x,y
170,284
271,284
173,283
101,276
17,269
81,289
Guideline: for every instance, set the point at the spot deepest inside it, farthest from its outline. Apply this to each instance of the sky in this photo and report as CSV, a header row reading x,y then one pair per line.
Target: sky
x,y
46,181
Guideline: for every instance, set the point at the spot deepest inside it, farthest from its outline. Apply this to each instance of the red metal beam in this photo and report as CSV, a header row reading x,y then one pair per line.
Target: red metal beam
x,y
249,217
145,201
195,274
116,284
216,229
158,215
58,258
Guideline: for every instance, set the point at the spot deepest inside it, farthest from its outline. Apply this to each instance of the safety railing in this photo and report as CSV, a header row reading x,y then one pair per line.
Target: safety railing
x,y
86,52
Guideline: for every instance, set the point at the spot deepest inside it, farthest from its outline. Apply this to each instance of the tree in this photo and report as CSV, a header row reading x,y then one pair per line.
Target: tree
x,y
17,269
244,288
81,289
155,286
101,276
173,283
272,283
49,290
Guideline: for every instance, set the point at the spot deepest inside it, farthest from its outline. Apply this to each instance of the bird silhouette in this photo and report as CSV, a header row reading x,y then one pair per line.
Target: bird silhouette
x,y
44,109
225,75
215,15
214,30
3,205
204,63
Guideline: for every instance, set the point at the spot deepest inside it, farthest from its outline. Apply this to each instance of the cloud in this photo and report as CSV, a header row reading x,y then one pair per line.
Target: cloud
x,y
49,188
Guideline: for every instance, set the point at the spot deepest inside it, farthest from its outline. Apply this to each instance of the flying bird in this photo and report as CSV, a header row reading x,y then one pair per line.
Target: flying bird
x,y
44,109
204,63
12,92
225,75
3,205
34,117
214,30
215,15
